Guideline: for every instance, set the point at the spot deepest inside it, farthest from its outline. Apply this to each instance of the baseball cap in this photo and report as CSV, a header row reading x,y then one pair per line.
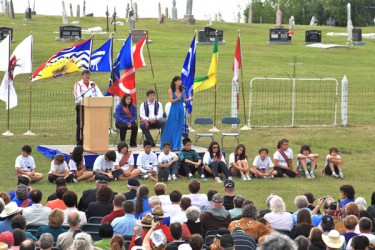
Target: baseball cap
x,y
228,184
226,241
133,182
217,198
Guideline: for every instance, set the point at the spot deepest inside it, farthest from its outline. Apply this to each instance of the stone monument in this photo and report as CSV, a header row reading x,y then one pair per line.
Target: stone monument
x,y
166,12
250,15
127,11
78,10
135,8
6,8
189,17
349,25
313,21
64,15
107,15
84,8
28,12
2,9
131,17
159,11
291,25
11,9
33,12
278,16
174,10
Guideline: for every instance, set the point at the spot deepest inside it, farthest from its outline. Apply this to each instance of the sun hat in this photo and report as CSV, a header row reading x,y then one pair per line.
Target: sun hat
x,y
333,239
158,210
10,209
146,221
3,246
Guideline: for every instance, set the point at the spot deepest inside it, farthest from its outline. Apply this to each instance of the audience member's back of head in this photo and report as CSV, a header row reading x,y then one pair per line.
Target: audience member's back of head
x,y
19,236
82,241
302,242
104,193
316,235
365,225
210,194
176,230
118,200
175,196
36,196
60,192
106,230
46,241
22,192
238,201
128,207
60,182
18,222
185,203
350,222
70,198
277,241
196,242
27,245
360,242
73,219
194,186
25,180
117,242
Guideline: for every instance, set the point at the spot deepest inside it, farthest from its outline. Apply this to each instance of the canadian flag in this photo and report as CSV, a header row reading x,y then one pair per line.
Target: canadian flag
x,y
237,63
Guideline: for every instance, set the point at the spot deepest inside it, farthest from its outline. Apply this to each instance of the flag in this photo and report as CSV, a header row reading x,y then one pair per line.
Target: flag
x,y
126,84
138,58
188,74
68,60
210,80
20,62
124,59
237,63
4,52
101,58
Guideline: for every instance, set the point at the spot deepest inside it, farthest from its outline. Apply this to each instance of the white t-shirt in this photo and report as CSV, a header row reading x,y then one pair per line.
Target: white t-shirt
x,y
179,217
260,164
101,164
163,158
60,169
233,160
165,200
146,162
197,199
280,158
172,209
25,163
128,164
73,165
281,221
328,156
207,158
306,159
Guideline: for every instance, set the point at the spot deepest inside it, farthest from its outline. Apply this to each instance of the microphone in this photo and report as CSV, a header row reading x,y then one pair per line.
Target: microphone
x,y
92,85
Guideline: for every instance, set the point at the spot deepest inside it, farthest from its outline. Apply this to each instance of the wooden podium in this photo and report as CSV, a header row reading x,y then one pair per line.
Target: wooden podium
x,y
96,124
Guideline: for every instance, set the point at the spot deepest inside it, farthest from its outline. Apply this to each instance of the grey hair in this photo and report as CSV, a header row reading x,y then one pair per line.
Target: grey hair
x,y
73,219
249,211
193,213
301,201
277,205
361,202
277,241
82,241
21,192
268,200
238,201
154,200
46,241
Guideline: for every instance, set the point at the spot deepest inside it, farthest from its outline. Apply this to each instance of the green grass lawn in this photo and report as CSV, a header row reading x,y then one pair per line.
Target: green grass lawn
x,y
170,42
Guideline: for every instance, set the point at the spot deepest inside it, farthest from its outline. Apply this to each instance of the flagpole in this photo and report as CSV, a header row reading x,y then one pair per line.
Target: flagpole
x,y
112,122
214,129
245,127
152,69
30,95
7,132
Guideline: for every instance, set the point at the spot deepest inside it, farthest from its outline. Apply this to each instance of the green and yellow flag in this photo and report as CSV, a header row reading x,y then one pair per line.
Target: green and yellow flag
x,y
208,81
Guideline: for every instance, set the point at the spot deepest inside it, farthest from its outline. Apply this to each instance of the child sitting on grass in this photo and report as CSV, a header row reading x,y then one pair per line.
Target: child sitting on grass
x,y
59,168
334,164
307,162
25,165
263,165
147,162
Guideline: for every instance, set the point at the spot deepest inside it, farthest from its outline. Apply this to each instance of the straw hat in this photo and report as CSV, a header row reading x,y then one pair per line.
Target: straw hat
x,y
10,209
158,210
3,246
146,221
333,239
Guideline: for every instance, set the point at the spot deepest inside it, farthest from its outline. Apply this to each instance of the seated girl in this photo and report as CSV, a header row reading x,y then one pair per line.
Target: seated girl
x,y
78,167
214,162
307,162
334,164
125,161
238,163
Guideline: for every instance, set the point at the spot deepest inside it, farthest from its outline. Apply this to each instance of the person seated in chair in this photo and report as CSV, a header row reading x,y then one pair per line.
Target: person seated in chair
x,y
151,113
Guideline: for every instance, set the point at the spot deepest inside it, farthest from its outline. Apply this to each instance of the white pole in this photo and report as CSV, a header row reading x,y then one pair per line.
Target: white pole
x,y
344,101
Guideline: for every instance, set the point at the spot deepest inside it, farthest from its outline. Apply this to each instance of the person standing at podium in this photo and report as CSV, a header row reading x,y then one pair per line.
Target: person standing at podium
x,y
83,88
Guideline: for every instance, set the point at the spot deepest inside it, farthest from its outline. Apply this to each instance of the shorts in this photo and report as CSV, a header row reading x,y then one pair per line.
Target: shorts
x,y
281,172
328,171
301,170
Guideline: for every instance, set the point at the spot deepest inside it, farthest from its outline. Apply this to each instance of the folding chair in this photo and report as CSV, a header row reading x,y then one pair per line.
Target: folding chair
x,y
116,134
91,227
201,122
95,220
230,127
155,138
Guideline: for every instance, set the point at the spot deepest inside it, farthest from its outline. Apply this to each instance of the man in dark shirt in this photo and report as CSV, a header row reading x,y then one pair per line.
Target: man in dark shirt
x,y
229,194
60,182
133,185
90,196
176,232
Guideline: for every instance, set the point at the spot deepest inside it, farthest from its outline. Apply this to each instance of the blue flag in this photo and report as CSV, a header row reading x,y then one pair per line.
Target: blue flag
x,y
101,58
188,73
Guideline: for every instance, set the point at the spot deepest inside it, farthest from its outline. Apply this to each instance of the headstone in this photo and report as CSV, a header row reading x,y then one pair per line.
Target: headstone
x,y
64,15
313,21
250,15
166,12
135,7
350,31
127,11
70,31
4,31
28,13
279,36
71,9
215,17
220,17
207,36
278,16
174,10
357,37
313,36
137,35
238,17
6,8
189,17
161,20
11,9
159,11
84,8
78,10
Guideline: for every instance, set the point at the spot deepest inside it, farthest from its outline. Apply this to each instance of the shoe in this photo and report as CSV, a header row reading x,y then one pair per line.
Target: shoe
x,y
145,176
335,175
217,180
341,176
312,175
75,180
203,177
307,175
115,179
230,178
244,178
174,177
191,177
248,177
169,177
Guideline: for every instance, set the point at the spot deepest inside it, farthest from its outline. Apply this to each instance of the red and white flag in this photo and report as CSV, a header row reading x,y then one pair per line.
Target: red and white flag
x,y
20,62
138,59
237,64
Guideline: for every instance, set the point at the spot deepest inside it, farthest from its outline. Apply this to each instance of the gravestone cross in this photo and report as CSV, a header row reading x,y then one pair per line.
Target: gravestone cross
x,y
174,10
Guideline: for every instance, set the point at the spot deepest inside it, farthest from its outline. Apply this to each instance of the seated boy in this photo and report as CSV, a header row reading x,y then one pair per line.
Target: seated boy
x,y
168,159
25,165
147,162
190,160
59,168
263,165
104,166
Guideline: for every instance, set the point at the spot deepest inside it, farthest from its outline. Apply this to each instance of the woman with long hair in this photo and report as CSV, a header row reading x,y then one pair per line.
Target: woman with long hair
x,y
77,166
238,163
214,162
173,128
141,201
125,118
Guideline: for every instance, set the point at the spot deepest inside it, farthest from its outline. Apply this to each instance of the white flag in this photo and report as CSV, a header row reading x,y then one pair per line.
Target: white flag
x,y
4,52
20,62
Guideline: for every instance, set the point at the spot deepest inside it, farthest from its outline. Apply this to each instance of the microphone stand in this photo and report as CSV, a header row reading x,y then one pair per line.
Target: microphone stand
x,y
81,113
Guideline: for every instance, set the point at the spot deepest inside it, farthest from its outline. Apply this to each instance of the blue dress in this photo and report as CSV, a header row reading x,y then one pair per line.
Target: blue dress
x,y
173,128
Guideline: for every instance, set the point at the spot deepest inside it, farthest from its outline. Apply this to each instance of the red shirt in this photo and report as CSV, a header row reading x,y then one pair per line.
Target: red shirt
x,y
113,215
56,204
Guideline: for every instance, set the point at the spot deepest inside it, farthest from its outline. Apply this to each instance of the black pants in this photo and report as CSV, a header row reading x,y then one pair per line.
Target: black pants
x,y
186,168
123,127
146,131
52,178
281,171
79,129
219,167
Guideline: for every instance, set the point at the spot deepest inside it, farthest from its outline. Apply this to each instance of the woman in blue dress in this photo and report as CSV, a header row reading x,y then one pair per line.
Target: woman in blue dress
x,y
176,117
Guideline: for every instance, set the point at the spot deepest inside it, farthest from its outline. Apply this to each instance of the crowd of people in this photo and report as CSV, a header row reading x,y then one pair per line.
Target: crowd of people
x,y
218,219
